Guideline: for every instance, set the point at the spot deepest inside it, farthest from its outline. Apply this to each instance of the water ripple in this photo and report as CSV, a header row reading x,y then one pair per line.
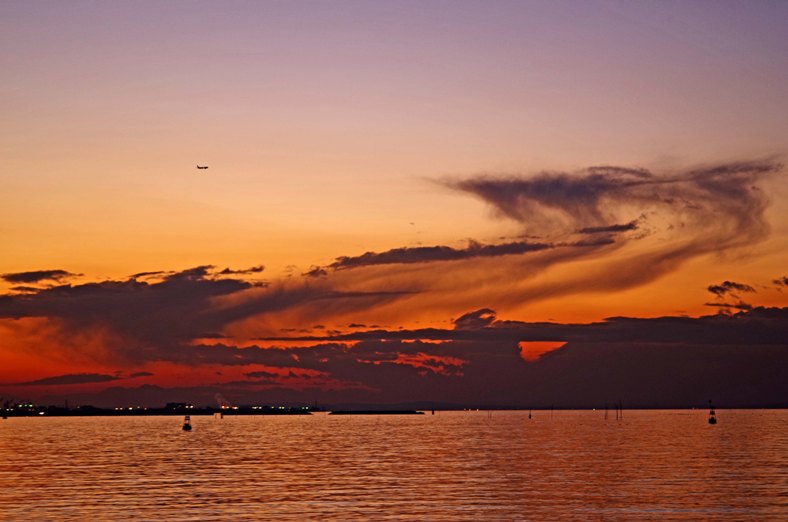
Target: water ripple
x,y
667,465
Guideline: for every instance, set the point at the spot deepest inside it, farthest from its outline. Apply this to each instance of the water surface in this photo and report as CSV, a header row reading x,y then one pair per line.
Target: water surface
x,y
451,466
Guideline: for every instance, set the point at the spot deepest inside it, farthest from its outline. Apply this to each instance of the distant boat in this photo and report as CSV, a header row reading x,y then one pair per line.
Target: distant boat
x,y
187,423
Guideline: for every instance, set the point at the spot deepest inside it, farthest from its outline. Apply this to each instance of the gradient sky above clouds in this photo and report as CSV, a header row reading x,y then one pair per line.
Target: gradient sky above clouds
x,y
391,164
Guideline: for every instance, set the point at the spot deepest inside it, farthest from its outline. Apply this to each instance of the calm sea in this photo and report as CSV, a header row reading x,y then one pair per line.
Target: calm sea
x,y
569,465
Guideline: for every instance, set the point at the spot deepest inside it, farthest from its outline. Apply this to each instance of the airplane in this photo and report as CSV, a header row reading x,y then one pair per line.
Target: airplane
x,y
199,167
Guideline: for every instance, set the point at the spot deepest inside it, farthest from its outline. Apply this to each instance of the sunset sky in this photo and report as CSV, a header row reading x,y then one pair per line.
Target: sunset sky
x,y
460,202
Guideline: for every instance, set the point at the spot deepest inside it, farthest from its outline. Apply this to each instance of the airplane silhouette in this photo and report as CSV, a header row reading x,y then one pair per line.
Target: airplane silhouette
x,y
199,167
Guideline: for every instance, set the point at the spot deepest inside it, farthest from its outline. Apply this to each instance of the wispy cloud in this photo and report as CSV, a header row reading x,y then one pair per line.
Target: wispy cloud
x,y
592,198
741,305
406,255
632,225
36,276
243,271
69,379
679,215
729,288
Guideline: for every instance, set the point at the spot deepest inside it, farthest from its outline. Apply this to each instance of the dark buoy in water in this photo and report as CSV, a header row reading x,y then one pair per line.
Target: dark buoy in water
x,y
712,414
187,423
529,413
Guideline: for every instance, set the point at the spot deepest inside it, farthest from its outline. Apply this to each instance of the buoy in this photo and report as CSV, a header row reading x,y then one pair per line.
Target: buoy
x,y
712,414
187,423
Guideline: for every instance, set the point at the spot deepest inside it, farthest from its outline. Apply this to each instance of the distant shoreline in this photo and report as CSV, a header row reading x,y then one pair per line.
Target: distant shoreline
x,y
154,412
278,411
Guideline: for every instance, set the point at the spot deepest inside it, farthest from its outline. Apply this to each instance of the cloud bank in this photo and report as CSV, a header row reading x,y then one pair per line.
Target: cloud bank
x,y
626,226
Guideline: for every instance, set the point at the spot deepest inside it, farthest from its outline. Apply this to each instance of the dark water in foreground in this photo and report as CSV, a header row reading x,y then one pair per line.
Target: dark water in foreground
x,y
452,466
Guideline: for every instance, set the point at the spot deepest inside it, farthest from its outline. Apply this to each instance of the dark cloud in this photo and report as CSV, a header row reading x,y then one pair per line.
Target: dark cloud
x,y
142,320
26,289
581,375
632,225
738,359
729,288
428,254
653,374
756,326
481,318
141,374
154,273
738,306
191,274
77,378
588,199
253,270
781,281
37,276
316,271
211,335
594,242
143,317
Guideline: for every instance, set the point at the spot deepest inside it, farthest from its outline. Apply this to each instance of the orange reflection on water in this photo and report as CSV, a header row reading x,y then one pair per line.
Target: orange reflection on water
x,y
568,465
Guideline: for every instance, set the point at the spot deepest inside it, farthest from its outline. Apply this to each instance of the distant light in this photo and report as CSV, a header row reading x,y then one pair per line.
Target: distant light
x,y
40,412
